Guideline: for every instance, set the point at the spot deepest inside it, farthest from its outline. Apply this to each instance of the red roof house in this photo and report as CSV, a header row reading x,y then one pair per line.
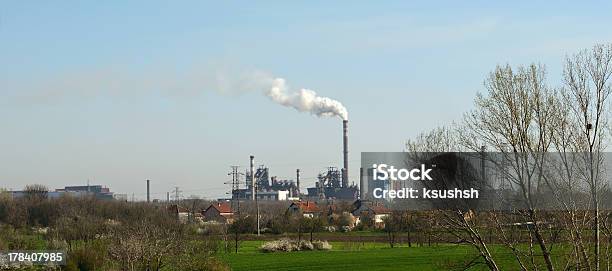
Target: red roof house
x,y
306,208
219,212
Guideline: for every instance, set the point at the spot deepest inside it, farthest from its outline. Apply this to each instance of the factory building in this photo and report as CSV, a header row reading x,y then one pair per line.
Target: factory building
x,y
332,184
259,184
97,191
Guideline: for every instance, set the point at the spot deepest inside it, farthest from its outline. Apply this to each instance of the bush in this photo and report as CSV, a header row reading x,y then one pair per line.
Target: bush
x,y
288,245
89,257
279,245
321,245
57,244
306,245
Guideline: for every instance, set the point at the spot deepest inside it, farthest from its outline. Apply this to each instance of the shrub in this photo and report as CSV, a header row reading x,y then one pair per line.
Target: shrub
x,y
306,245
90,257
57,244
321,245
279,245
288,245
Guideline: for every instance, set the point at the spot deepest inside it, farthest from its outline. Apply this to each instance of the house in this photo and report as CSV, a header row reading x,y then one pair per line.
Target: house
x,y
220,212
374,210
307,208
181,213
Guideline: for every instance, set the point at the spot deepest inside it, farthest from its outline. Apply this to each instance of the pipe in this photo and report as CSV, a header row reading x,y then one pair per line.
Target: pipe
x,y
252,164
345,175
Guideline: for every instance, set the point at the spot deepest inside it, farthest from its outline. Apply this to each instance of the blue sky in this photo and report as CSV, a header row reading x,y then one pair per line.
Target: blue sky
x,y
118,92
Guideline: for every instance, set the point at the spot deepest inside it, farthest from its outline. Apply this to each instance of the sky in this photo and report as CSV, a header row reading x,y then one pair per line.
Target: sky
x,y
117,92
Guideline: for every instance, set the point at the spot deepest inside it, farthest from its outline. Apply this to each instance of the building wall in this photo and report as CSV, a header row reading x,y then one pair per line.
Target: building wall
x,y
379,218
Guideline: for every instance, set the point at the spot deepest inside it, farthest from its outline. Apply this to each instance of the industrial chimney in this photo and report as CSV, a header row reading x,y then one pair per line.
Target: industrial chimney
x,y
297,180
148,191
252,164
345,175
362,186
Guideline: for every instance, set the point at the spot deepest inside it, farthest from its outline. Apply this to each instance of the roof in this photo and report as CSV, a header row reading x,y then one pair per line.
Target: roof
x,y
307,206
222,207
373,207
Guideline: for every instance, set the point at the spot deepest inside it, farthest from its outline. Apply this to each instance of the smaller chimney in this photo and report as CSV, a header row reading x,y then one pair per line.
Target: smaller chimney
x,y
252,164
345,174
148,191
297,178
362,188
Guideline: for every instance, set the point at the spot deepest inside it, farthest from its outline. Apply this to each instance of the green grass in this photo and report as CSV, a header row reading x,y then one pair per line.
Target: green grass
x,y
370,256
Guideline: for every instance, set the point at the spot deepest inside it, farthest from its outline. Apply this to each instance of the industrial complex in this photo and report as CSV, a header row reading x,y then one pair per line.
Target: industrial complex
x,y
332,184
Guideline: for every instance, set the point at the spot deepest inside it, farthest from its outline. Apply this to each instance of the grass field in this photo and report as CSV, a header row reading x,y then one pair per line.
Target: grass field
x,y
370,256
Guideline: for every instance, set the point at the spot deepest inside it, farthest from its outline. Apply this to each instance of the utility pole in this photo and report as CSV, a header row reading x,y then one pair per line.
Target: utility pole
x,y
257,205
235,188
167,197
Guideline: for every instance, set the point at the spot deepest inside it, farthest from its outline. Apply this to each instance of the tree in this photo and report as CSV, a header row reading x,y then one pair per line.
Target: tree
x,y
36,191
587,87
147,244
314,224
246,224
514,117
77,227
299,223
455,221
393,225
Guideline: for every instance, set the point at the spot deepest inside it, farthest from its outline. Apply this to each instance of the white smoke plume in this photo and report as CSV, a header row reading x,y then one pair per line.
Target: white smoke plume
x,y
305,100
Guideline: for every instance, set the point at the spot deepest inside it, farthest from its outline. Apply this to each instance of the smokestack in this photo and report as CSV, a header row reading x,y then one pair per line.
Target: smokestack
x,y
148,191
362,189
345,175
252,164
482,165
297,180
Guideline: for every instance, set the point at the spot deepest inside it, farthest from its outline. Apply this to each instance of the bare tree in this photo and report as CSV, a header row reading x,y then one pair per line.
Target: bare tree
x,y
587,87
523,119
242,225
36,191
440,139
147,244
514,117
315,224
458,222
